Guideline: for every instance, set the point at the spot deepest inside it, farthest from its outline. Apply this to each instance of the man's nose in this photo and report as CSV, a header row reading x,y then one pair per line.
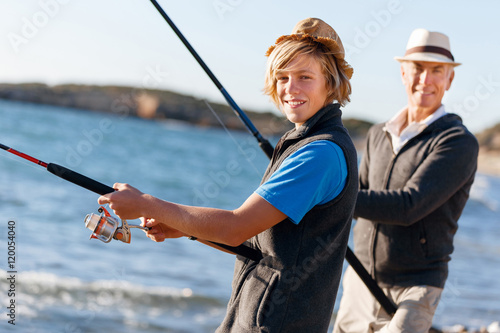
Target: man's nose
x,y
425,77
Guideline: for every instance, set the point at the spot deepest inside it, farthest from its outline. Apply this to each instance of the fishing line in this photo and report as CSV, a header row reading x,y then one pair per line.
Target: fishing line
x,y
234,140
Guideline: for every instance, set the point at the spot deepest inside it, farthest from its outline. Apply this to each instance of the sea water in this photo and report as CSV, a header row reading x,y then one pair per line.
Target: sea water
x,y
64,282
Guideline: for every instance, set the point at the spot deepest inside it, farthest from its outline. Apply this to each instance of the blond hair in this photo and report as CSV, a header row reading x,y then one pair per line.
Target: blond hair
x,y
284,53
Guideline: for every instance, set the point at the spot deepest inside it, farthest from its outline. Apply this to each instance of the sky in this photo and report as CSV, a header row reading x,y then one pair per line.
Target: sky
x,y
127,42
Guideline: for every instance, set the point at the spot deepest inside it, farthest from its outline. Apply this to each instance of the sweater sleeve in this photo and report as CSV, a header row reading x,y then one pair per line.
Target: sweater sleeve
x,y
449,166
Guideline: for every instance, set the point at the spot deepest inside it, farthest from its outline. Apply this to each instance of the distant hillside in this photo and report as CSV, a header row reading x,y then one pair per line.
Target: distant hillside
x,y
162,104
144,103
155,104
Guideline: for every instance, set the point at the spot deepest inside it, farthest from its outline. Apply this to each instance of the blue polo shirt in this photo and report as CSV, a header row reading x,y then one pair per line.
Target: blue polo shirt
x,y
313,175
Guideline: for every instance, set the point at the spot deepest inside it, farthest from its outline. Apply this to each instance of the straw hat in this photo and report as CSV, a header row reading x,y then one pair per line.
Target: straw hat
x,y
431,46
318,31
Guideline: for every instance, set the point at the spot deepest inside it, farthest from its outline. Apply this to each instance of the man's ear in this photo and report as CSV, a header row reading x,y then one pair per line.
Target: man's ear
x,y
402,72
450,80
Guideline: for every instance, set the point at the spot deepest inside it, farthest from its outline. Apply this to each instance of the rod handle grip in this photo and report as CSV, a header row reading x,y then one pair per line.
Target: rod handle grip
x,y
79,179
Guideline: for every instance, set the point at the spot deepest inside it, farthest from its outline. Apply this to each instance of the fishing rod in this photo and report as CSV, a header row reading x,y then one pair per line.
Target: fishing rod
x,y
264,144
105,227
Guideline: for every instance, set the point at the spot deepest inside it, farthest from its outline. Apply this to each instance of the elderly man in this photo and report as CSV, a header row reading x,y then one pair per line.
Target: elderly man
x,y
415,178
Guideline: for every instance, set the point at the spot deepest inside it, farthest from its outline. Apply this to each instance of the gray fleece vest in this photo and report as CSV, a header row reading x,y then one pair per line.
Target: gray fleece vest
x,y
293,288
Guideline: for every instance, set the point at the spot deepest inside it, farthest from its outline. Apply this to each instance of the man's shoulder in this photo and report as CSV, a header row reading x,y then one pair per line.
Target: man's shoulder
x,y
450,128
453,122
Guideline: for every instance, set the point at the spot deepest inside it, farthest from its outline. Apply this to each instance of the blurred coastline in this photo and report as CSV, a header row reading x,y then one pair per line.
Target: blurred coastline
x,y
163,105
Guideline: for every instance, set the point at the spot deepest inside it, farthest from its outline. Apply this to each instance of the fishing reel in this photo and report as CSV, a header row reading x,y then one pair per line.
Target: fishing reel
x,y
105,227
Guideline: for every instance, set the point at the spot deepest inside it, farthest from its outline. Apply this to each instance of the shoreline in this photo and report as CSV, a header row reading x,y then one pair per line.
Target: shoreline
x,y
168,105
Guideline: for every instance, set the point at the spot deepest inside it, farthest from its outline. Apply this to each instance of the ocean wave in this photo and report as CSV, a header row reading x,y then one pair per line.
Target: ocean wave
x,y
44,298
49,288
484,193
